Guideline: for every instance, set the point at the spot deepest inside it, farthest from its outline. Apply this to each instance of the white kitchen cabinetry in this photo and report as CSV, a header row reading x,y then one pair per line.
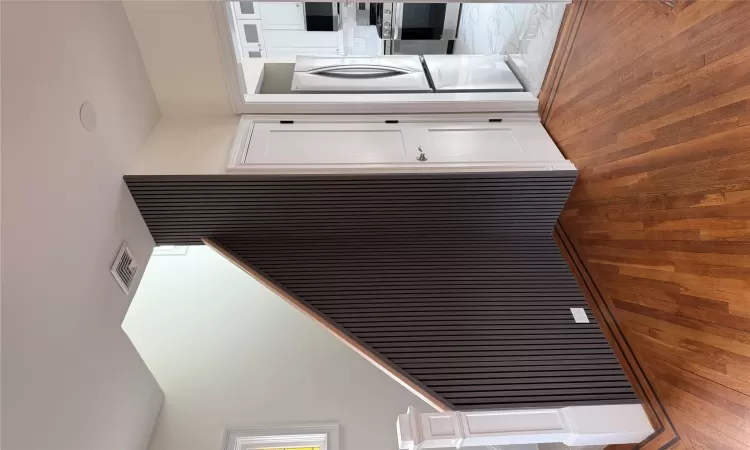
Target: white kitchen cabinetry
x,y
290,53
282,16
335,143
291,41
277,30
269,146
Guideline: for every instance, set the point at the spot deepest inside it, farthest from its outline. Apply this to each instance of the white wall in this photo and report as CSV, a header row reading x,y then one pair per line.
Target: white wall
x,y
228,352
71,379
180,46
188,146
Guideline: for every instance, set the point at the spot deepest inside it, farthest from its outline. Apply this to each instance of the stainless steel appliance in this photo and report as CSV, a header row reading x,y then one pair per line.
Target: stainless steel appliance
x,y
471,73
399,22
353,74
322,16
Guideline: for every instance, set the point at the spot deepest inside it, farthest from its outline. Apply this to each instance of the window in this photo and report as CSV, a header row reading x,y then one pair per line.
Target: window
x,y
170,250
319,436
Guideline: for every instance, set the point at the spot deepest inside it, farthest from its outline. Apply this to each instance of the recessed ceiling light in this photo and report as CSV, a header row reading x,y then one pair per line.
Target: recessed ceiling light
x,y
87,114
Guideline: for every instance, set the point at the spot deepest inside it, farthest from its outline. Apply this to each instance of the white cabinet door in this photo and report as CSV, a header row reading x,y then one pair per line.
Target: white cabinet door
x,y
453,144
328,144
282,16
487,142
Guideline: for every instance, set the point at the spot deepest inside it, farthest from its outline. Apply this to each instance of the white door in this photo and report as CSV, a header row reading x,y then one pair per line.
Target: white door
x,y
282,16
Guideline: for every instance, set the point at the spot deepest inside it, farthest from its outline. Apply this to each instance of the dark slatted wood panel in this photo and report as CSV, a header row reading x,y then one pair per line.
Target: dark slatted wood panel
x,y
455,280
483,324
182,209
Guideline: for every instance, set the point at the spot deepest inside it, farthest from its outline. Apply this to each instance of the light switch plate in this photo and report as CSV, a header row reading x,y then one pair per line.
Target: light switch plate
x,y
579,315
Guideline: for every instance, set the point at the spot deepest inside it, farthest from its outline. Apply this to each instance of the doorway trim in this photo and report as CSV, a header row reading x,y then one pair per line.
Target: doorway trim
x,y
324,436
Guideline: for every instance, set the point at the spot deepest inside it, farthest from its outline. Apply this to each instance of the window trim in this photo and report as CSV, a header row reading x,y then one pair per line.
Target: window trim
x,y
323,435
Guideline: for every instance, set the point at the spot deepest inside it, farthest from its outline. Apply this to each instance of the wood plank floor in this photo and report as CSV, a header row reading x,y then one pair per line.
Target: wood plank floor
x,y
652,104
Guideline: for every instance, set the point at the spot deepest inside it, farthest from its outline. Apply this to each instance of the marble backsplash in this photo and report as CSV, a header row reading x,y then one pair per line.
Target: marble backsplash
x,y
524,31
